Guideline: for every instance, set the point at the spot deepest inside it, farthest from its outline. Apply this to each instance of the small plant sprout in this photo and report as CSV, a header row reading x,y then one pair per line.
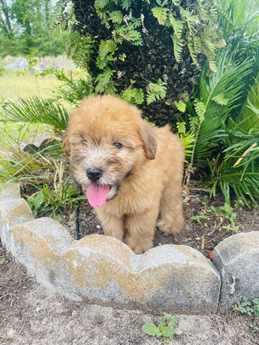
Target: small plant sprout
x,y
165,329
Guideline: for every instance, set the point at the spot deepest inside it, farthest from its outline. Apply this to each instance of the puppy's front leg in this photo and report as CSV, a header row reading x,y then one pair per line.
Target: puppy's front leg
x,y
141,228
112,225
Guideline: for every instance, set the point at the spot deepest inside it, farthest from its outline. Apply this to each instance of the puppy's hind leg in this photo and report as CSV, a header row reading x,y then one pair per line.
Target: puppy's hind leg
x,y
171,208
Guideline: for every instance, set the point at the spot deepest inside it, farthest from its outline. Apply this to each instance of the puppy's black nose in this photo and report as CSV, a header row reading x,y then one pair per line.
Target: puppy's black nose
x,y
94,174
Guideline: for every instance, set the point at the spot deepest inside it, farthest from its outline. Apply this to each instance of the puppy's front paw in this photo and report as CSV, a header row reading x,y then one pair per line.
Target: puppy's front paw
x,y
173,228
138,247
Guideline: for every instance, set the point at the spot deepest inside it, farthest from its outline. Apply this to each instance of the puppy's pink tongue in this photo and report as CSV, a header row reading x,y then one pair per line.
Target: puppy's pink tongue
x,y
97,194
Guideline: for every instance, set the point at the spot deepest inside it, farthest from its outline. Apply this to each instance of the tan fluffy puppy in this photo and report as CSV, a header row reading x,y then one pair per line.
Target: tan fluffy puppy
x,y
130,170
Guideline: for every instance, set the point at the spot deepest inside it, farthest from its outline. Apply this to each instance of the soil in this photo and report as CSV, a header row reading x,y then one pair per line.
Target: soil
x,y
32,315
202,234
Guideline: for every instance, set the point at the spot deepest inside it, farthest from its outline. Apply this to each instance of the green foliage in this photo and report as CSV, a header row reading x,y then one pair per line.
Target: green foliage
x,y
157,91
195,31
251,308
76,85
224,212
79,48
133,95
181,106
120,29
36,110
228,147
104,81
24,29
21,165
165,329
52,202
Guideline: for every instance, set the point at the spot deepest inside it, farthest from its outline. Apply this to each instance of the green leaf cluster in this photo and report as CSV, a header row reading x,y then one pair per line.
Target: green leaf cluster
x,y
52,202
251,308
197,30
122,28
156,91
165,329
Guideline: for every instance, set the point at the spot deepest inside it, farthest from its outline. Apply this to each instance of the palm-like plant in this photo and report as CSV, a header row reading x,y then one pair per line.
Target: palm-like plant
x,y
224,117
219,95
239,167
36,110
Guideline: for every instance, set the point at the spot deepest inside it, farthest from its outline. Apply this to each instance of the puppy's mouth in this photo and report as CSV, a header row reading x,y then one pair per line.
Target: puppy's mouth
x,y
97,194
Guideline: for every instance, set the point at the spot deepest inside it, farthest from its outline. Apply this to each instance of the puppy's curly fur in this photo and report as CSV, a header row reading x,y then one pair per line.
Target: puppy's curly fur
x,y
139,167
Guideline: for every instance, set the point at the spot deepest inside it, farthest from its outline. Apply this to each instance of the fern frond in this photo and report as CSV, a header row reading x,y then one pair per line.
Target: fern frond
x,y
191,19
126,4
101,3
133,96
177,25
220,99
181,106
193,53
103,80
181,127
129,33
200,109
107,47
178,48
116,17
160,14
157,91
188,140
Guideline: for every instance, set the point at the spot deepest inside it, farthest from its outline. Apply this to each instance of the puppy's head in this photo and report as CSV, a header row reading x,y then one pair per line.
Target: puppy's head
x,y
106,141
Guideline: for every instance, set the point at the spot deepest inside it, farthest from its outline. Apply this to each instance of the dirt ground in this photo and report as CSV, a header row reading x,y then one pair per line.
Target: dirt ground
x,y
32,315
202,234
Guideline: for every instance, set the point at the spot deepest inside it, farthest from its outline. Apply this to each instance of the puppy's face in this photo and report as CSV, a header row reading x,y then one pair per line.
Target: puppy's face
x,y
106,141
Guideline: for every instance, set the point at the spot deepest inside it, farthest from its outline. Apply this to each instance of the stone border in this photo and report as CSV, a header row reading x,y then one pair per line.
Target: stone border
x,y
104,269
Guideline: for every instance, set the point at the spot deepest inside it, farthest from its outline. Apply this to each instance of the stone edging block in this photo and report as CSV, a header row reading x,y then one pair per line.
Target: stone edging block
x,y
237,259
102,268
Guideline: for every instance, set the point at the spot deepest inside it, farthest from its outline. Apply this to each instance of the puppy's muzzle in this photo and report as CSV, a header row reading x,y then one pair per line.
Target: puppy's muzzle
x,y
94,174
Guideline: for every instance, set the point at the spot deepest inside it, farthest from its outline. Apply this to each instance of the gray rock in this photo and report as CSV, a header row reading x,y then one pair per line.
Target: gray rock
x,y
237,260
20,64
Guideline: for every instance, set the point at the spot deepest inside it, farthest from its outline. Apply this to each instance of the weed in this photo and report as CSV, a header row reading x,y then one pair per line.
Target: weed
x,y
165,329
199,217
3,261
224,211
54,201
250,308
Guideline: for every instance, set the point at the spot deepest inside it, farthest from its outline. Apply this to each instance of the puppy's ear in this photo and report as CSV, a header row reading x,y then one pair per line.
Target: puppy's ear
x,y
66,144
148,135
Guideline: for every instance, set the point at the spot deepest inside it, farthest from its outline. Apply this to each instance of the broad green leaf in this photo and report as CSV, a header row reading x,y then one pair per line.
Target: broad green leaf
x,y
151,329
38,200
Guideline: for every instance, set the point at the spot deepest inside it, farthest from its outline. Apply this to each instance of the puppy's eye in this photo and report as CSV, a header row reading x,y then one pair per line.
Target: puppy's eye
x,y
118,145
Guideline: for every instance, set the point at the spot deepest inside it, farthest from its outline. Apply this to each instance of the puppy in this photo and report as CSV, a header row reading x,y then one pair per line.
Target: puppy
x,y
130,170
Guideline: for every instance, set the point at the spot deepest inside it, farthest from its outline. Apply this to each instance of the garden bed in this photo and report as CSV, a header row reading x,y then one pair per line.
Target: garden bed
x,y
208,221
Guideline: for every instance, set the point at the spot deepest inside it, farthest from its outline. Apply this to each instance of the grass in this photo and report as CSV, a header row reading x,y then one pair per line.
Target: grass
x,y
15,84
19,84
